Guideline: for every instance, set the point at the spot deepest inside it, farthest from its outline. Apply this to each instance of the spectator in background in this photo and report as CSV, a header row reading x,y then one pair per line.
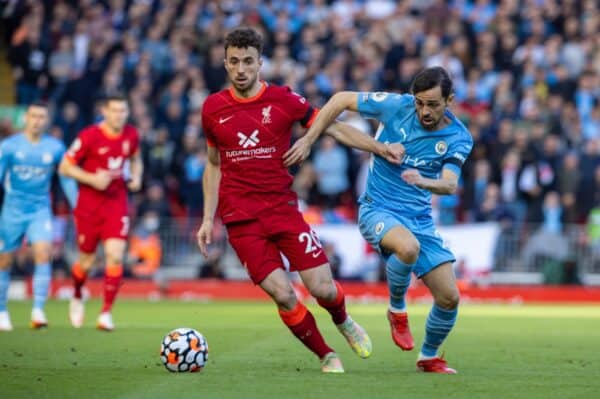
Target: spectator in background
x,y
569,178
145,248
155,202
30,60
191,189
69,120
331,165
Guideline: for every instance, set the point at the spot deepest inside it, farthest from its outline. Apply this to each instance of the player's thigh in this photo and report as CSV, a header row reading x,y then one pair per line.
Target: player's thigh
x,y
114,250
386,232
298,242
259,255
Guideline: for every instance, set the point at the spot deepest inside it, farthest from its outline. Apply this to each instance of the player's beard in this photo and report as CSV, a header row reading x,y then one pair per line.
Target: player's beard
x,y
246,86
431,124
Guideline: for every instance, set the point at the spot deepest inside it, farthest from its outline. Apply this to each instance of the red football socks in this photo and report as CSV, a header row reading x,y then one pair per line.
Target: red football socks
x,y
337,307
112,280
303,325
79,276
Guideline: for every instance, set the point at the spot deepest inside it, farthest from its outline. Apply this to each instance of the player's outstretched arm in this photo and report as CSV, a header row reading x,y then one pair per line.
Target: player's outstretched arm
x,y
446,184
210,187
344,100
352,137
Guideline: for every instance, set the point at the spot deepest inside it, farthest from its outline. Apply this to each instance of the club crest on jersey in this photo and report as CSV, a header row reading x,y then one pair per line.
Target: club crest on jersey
x,y
248,141
126,147
266,115
46,158
20,155
441,147
379,227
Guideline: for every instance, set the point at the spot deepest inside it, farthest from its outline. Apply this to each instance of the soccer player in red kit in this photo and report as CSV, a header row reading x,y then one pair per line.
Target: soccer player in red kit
x,y
97,159
248,129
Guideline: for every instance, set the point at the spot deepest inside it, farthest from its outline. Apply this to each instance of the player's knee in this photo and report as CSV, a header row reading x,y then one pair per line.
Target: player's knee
x,y
114,258
284,296
409,253
449,300
41,257
324,290
86,262
5,261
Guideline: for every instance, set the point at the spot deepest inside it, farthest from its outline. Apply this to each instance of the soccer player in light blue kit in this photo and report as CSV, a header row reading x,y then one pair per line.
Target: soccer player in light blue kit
x,y
28,161
395,211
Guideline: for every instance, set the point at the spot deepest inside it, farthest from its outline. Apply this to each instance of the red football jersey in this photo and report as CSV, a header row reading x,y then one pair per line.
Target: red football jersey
x,y
252,135
95,149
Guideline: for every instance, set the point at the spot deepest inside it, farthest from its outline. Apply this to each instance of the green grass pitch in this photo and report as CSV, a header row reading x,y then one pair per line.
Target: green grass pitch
x,y
500,352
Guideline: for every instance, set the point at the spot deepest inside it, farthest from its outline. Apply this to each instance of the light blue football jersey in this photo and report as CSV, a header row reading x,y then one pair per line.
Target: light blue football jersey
x,y
428,152
26,170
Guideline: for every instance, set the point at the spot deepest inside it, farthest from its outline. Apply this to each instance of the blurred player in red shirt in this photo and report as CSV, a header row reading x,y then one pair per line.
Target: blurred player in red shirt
x,y
98,160
248,129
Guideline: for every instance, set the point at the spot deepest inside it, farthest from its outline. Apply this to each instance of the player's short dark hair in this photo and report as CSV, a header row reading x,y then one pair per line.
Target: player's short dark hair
x,y
40,104
430,78
244,38
113,97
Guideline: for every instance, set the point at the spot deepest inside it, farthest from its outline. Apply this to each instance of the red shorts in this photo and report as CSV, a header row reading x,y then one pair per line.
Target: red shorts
x,y
259,244
100,225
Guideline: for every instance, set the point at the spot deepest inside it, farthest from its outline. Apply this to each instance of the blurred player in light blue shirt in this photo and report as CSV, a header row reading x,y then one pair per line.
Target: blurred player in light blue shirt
x,y
28,161
395,210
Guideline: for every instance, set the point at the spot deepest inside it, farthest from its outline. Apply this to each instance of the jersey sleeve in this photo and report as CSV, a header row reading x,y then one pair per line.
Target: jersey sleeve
x,y
300,108
79,148
457,154
382,106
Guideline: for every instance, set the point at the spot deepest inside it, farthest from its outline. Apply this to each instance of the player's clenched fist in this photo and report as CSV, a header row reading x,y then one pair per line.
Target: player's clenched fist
x,y
101,179
412,176
135,184
393,153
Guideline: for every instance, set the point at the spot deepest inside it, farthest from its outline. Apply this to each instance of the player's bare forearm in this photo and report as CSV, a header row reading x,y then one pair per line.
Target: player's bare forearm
x,y
438,186
136,169
353,137
344,100
69,169
210,184
446,184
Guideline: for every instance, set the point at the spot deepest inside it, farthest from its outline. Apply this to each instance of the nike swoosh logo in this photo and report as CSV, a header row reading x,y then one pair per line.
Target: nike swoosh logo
x,y
316,254
223,120
103,150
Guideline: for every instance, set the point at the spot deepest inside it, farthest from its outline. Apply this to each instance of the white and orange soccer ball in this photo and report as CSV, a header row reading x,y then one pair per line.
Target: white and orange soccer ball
x,y
184,350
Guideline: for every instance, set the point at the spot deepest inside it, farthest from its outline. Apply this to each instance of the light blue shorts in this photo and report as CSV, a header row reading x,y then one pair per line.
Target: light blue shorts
x,y
375,222
37,227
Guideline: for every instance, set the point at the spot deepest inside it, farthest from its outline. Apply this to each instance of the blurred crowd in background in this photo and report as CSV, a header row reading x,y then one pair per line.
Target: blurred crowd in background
x,y
526,76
